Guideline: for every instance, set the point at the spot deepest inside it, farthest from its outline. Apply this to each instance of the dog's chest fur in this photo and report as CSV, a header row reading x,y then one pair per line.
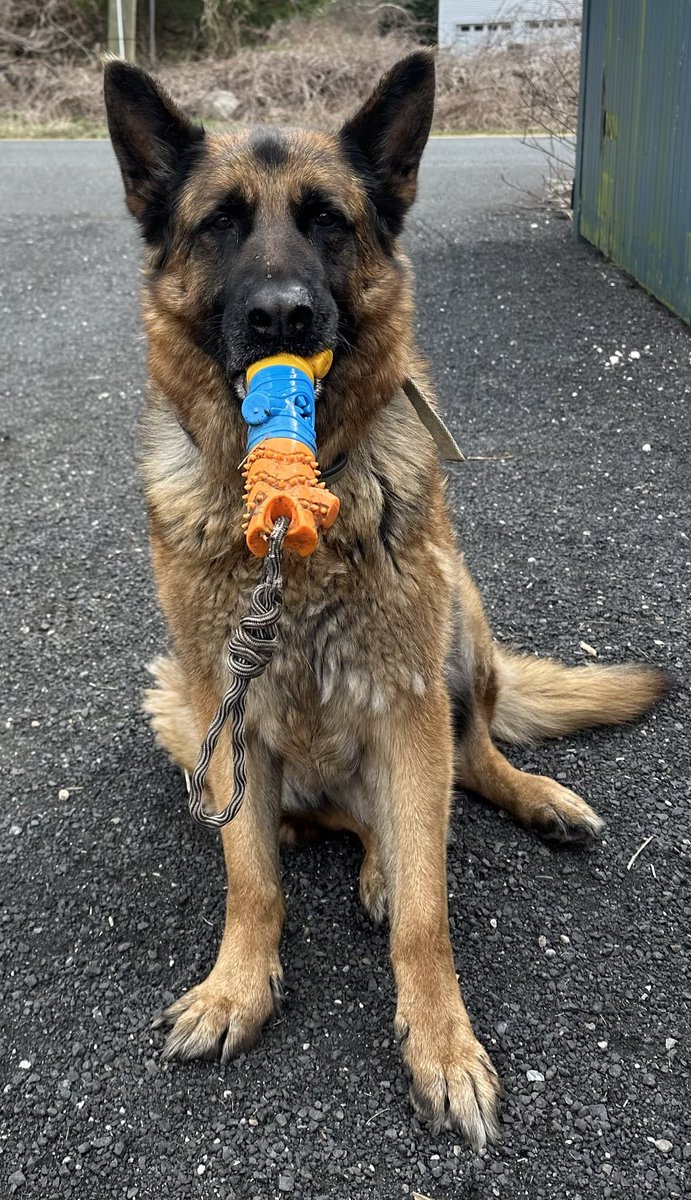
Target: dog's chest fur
x,y
365,623
339,671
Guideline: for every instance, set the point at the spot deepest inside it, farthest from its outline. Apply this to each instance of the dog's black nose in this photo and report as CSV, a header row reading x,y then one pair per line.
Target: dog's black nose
x,y
280,312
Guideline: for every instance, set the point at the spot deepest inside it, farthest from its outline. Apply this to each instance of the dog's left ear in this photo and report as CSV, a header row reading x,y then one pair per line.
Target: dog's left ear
x,y
385,139
153,140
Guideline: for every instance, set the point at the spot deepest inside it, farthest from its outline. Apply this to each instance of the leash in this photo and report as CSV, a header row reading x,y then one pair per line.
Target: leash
x,y
250,650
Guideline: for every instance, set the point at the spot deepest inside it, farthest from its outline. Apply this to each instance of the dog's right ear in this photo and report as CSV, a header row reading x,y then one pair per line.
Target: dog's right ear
x,y
154,142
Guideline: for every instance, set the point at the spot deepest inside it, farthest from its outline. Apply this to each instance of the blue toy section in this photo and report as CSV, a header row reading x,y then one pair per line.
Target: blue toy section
x,y
280,404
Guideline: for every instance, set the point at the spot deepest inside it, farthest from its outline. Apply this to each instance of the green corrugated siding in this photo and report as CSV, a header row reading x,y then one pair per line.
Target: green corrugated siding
x,y
633,173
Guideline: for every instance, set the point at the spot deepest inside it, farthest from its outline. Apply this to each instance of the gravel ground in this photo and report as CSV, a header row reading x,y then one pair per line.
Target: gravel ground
x,y
569,388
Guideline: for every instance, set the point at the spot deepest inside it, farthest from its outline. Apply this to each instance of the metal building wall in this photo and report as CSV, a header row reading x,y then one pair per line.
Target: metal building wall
x,y
632,195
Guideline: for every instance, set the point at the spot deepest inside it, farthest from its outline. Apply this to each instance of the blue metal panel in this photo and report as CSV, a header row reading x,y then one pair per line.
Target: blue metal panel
x,y
632,197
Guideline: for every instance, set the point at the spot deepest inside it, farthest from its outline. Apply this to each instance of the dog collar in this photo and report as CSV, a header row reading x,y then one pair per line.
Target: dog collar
x,y
334,472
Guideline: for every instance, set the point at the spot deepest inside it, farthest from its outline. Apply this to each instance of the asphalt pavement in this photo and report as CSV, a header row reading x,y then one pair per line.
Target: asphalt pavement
x,y
568,388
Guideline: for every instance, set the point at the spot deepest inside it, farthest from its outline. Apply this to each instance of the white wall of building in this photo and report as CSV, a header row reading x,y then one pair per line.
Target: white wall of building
x,y
466,24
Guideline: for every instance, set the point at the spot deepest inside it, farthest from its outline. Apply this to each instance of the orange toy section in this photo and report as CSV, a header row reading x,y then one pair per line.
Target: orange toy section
x,y
282,480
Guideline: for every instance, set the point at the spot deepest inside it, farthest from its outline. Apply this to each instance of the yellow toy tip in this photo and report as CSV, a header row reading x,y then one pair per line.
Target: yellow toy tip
x,y
317,366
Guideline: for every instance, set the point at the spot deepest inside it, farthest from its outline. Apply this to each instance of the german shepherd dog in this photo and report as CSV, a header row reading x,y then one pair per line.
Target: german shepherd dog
x,y
387,689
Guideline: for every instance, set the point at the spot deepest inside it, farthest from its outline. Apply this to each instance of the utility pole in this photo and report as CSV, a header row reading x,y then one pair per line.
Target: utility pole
x,y
122,28
152,32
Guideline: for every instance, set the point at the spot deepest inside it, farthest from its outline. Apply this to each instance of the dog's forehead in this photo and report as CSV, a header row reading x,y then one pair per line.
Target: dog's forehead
x,y
270,166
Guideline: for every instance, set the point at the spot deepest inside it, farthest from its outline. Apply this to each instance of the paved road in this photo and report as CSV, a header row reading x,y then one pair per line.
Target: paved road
x,y
574,514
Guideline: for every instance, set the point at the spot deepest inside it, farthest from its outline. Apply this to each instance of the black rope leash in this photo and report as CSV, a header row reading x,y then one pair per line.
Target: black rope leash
x,y
250,650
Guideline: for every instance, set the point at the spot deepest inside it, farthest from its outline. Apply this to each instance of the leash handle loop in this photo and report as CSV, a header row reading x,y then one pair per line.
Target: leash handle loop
x,y
250,650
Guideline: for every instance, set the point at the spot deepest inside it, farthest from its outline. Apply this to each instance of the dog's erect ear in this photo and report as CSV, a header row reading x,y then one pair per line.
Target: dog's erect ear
x,y
385,139
154,142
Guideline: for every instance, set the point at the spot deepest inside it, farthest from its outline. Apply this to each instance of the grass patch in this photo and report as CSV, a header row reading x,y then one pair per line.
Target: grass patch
x,y
17,126
20,127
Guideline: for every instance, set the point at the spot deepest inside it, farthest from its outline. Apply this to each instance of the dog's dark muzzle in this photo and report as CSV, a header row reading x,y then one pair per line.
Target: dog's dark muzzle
x,y
278,317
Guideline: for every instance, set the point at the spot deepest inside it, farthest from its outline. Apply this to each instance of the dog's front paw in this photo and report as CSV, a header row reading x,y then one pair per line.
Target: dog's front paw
x,y
453,1082
218,1018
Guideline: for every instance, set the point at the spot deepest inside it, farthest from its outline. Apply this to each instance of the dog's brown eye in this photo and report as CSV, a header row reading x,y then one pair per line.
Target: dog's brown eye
x,y
325,217
221,221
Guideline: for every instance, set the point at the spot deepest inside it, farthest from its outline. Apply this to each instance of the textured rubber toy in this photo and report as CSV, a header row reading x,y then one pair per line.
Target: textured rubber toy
x,y
281,470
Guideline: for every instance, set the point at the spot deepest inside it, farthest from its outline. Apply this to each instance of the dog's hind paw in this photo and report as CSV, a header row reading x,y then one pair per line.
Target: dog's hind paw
x,y
373,887
213,1021
563,817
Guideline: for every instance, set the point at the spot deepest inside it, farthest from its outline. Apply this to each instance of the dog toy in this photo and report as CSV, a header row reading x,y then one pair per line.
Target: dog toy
x,y
281,470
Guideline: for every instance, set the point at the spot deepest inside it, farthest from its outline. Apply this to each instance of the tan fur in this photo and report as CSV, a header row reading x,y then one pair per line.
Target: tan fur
x,y
537,697
351,726
534,800
453,1080
171,716
227,1010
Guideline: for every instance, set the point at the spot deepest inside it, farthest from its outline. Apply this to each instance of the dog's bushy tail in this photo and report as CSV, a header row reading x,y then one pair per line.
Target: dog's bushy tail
x,y
541,698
